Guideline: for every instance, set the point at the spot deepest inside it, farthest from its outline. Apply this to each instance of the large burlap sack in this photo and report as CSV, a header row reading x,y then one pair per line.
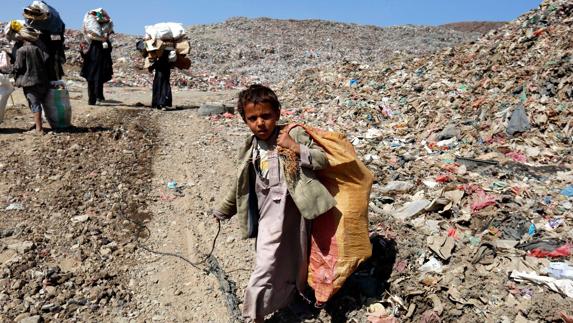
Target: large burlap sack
x,y
6,89
57,107
339,238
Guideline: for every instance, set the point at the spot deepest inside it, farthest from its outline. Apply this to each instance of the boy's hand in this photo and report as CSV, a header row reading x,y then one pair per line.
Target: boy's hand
x,y
218,215
285,140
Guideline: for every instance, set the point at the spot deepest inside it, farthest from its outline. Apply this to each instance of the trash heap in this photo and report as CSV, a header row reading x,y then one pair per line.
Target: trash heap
x,y
97,25
240,51
170,37
271,50
472,151
471,211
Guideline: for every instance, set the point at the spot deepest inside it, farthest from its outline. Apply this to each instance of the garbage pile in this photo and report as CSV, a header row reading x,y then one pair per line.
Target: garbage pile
x,y
482,27
269,50
240,51
472,151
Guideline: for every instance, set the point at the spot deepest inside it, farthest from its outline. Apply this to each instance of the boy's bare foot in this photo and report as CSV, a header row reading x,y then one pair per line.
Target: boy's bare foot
x,y
36,132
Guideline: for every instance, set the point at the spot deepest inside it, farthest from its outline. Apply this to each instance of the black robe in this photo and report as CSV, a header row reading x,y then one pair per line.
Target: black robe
x,y
97,69
161,88
56,50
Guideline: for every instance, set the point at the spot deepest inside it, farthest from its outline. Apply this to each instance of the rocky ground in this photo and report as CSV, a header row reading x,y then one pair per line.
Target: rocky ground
x,y
470,147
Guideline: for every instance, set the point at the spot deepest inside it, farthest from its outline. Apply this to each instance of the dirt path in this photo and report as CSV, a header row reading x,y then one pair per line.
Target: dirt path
x,y
188,150
78,193
198,158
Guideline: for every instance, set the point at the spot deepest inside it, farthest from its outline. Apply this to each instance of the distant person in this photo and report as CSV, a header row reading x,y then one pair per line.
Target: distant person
x,y
161,97
271,208
97,68
30,73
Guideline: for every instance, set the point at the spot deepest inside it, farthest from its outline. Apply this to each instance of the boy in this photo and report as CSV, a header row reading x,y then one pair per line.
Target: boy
x,y
30,73
273,206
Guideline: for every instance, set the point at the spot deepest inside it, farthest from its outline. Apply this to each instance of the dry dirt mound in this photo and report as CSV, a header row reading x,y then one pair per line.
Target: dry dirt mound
x,y
66,242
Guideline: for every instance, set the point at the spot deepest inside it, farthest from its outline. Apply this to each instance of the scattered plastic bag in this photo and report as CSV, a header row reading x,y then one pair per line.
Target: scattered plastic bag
x,y
567,191
561,286
560,270
518,122
563,251
432,266
397,187
517,156
483,200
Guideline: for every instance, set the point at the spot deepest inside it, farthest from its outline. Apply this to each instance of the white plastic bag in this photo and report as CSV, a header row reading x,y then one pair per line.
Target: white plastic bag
x,y
165,31
4,61
561,286
6,89
97,30
41,5
57,107
92,28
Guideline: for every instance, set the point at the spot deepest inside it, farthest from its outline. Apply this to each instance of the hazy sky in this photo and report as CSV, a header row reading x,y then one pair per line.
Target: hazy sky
x,y
130,16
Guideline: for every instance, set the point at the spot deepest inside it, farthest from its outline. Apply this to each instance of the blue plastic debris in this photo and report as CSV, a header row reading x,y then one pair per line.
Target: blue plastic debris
x,y
172,185
567,191
531,230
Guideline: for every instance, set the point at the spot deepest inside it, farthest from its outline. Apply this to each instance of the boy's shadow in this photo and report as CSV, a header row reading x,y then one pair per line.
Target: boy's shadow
x,y
10,131
370,280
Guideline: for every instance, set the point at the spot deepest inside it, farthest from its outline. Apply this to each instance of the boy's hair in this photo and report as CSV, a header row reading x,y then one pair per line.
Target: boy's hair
x,y
256,94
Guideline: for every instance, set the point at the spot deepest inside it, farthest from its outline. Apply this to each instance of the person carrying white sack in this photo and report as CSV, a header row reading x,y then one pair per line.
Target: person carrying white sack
x,y
97,66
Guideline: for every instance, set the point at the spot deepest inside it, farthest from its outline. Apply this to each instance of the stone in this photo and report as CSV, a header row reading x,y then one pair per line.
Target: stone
x,y
214,109
21,247
30,319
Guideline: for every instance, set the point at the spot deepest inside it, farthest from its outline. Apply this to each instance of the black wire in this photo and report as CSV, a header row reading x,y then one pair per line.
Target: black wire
x,y
142,227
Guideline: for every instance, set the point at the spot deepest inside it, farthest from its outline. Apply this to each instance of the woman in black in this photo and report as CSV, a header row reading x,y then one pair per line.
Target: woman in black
x,y
97,69
161,88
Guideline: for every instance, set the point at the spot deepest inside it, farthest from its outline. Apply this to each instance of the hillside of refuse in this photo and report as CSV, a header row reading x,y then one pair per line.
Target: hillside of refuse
x,y
472,151
240,51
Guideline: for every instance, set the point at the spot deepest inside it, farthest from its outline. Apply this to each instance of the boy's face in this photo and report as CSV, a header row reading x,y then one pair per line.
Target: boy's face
x,y
261,119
